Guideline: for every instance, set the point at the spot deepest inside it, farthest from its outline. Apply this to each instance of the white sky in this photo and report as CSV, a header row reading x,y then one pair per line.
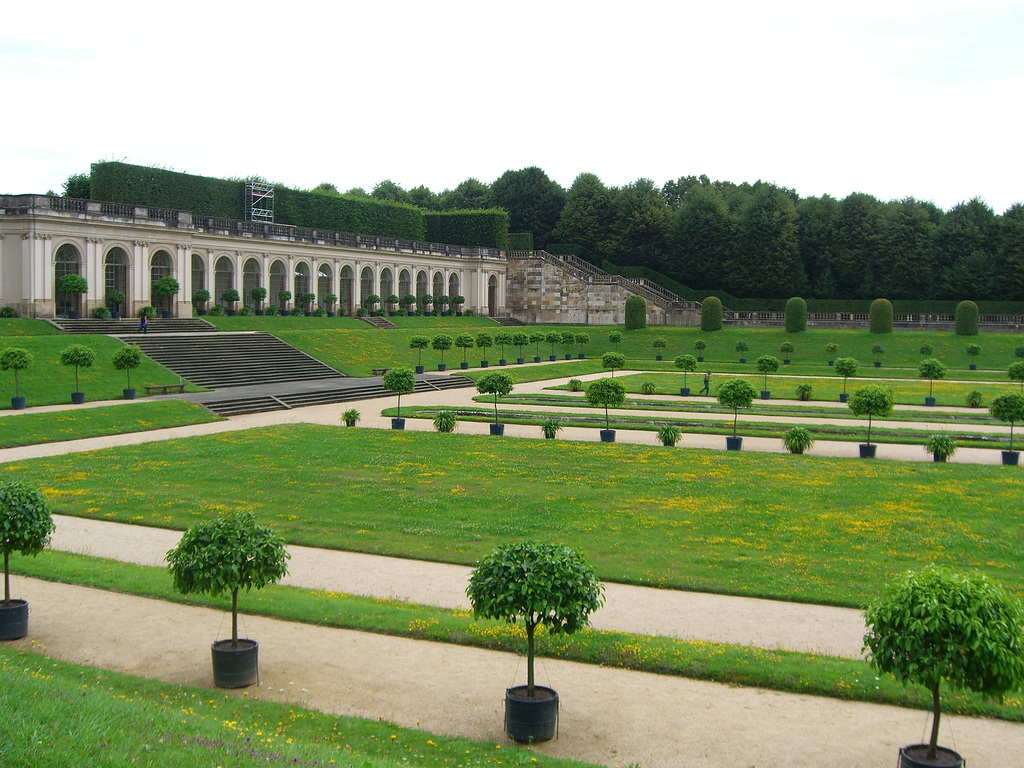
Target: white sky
x,y
895,98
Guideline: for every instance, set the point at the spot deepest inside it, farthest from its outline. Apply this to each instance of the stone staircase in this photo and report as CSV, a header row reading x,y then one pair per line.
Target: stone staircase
x,y
379,322
130,325
508,322
219,360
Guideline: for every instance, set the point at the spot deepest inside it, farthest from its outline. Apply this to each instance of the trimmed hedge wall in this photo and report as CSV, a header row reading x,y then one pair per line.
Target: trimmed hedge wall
x,y
573,249
520,241
967,319
796,315
348,214
636,313
486,228
881,316
711,314
138,185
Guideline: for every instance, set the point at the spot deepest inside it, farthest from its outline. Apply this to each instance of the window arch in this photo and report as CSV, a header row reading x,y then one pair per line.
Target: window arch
x,y
453,286
404,284
492,296
66,261
387,287
278,283
438,285
345,297
300,281
223,277
365,284
324,280
198,273
115,275
422,289
250,279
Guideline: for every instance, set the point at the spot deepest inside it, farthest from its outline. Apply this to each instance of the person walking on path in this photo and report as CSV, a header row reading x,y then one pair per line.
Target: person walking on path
x,y
706,389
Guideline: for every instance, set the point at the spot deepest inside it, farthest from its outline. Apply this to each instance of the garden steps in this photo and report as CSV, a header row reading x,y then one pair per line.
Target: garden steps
x,y
130,325
379,322
508,322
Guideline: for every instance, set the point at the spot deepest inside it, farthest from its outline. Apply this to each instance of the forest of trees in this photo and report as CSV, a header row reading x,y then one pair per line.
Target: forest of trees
x,y
759,240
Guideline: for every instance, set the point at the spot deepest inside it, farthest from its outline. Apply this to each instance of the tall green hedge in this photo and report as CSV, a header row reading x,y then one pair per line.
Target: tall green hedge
x,y
711,314
573,249
138,185
484,228
520,241
796,315
967,319
881,316
636,313
348,214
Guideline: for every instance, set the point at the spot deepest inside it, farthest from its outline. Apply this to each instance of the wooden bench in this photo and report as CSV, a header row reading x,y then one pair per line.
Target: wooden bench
x,y
165,388
379,371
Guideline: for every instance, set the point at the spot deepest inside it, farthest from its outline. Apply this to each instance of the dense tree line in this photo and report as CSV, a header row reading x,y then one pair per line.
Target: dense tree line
x,y
760,240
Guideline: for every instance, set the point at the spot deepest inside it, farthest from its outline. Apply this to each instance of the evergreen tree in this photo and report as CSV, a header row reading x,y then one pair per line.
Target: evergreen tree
x,y
585,217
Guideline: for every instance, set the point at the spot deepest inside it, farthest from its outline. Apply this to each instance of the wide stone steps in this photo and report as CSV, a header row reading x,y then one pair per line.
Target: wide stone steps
x,y
508,321
130,325
379,322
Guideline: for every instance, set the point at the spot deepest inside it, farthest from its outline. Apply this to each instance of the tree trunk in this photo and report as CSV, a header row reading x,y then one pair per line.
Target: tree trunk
x,y
932,744
529,659
7,577
869,430
234,618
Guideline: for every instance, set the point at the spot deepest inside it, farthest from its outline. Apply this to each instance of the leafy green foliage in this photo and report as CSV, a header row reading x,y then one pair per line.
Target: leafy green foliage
x,y
520,241
350,417
18,359
931,369
926,350
25,524
832,348
446,420
787,348
550,427
230,295
942,446
482,228
880,316
873,401
419,343
226,554
613,361
535,584
401,381
742,347
804,392
767,364
967,318
1015,372
974,398
736,394
797,439
497,383
440,343
127,358
846,367
615,337
575,385
972,350
465,342
166,286
504,339
636,313
484,340
669,434
1009,408
79,356
796,315
100,313
114,299
72,283
711,314
608,393
936,625
686,364
647,387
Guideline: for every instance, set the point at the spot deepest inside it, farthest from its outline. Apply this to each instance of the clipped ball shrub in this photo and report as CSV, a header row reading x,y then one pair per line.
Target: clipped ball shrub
x,y
796,315
881,316
711,314
636,313
967,318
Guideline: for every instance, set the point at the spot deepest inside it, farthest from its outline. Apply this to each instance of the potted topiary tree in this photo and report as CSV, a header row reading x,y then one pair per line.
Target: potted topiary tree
x,y
926,350
742,347
164,289
484,341
308,300
401,381
520,340
1016,373
419,343
392,302
936,625
330,299
615,337
284,297
441,343
873,401
76,285
582,339
973,350
831,348
787,348
408,301
457,302
569,340
503,339
199,298
974,398
846,367
465,342
797,439
735,394
534,584
536,337
16,359
941,447
229,296
608,393
79,356
114,301
613,361
226,554
25,527
767,364
552,339
931,369
687,364
700,345
371,301
498,384
258,294
1009,408
426,300
878,350
442,302
659,345
127,359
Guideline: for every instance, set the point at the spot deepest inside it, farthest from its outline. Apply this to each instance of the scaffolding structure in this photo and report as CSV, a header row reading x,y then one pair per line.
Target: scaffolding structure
x,y
259,201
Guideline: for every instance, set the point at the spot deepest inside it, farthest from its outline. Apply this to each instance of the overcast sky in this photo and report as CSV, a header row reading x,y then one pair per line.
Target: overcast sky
x,y
896,99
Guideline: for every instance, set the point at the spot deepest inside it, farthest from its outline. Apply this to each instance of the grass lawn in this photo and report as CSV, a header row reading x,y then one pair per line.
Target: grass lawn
x,y
58,713
799,528
76,423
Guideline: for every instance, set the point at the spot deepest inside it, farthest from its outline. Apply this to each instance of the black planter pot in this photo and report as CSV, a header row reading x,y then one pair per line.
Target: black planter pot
x,y
974,367
878,364
552,358
568,357
607,435
497,429
260,313
1011,458
520,360
503,361
74,314
129,394
743,360
657,357
700,359
17,403
785,362
536,359
938,458
77,398
867,450
329,314
580,356
913,756
231,312
350,422
483,363
529,721
167,315
844,396
441,366
684,391
202,312
929,401
235,666
115,315
831,362
464,366
13,620
398,423
307,314
766,394
734,443
419,369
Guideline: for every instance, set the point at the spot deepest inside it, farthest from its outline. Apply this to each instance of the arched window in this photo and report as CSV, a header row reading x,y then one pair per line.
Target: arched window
x,y
278,283
198,273
365,285
115,275
387,285
159,268
324,280
404,284
421,286
438,285
492,296
345,297
66,261
453,287
250,280
301,282
223,278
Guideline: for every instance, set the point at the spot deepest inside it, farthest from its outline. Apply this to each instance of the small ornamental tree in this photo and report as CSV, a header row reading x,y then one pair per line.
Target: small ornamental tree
x,y
873,401
608,393
284,297
787,348
931,369
686,364
442,302
484,341
426,300
636,313
401,381
1018,352
127,359
832,349
457,302
230,296
465,342
700,345
796,315
1009,408
25,525
79,356
258,294
498,384
18,359
408,301
936,625
227,554
166,286
535,584
659,345
878,350
536,337
552,339
371,301
767,364
973,350
736,394
711,314
441,342
742,347
419,343
613,361
391,301
72,283
330,299
504,339
926,350
1015,372
881,316
520,340
114,299
846,367
967,318
615,337
568,341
